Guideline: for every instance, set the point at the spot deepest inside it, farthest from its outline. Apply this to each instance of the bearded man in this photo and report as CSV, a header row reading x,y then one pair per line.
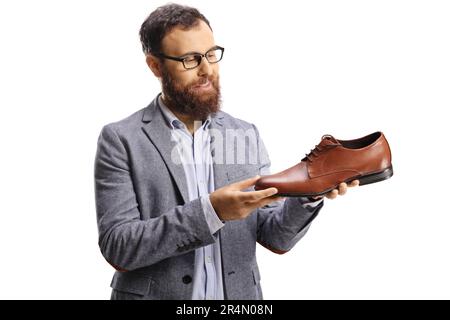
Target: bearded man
x,y
177,213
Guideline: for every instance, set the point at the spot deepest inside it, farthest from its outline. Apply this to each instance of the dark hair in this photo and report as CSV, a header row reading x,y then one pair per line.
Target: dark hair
x,y
163,20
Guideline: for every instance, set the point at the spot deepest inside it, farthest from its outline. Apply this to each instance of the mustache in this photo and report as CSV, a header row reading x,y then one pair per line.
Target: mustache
x,y
204,80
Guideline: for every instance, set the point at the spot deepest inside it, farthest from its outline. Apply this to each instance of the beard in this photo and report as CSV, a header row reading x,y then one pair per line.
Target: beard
x,y
185,99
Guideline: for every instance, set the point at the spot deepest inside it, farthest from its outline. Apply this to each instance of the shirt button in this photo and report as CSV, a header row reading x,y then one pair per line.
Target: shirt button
x,y
208,259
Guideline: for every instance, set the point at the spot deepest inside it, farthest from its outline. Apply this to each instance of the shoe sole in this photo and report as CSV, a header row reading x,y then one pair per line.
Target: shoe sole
x,y
363,180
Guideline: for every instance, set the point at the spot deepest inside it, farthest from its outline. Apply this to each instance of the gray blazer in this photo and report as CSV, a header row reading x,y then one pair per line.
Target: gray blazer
x,y
148,230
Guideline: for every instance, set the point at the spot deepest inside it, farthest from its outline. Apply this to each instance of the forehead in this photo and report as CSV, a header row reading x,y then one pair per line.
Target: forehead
x,y
197,39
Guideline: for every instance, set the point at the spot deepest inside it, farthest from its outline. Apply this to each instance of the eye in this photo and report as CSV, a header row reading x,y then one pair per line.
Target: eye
x,y
211,54
191,58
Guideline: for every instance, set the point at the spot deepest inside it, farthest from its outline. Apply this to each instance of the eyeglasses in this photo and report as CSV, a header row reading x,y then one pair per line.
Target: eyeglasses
x,y
193,60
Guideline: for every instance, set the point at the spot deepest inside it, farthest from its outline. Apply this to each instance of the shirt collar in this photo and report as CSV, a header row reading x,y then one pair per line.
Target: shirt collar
x,y
173,121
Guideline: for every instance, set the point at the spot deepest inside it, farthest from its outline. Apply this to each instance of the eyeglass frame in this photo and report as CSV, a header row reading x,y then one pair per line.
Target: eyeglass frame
x,y
199,61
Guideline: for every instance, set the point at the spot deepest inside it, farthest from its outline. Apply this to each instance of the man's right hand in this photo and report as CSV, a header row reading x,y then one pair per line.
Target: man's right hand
x,y
230,203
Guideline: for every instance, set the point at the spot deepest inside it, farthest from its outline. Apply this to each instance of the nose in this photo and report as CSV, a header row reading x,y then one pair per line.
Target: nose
x,y
204,68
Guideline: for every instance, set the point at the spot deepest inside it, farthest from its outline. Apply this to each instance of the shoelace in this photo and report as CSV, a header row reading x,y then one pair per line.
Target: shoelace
x,y
318,149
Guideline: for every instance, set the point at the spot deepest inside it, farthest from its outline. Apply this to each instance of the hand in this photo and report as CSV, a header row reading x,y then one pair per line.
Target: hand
x,y
342,189
230,203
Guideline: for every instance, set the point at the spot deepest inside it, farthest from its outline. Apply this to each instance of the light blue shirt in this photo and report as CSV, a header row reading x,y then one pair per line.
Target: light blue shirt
x,y
195,155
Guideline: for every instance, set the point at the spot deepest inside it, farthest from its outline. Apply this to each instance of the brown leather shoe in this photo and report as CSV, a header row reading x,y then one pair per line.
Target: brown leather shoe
x,y
367,159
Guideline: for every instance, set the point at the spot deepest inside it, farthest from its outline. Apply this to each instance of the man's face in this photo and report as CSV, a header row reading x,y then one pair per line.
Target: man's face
x,y
194,92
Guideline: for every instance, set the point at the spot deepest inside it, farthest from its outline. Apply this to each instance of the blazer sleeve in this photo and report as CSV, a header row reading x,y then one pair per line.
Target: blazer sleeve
x,y
126,241
283,223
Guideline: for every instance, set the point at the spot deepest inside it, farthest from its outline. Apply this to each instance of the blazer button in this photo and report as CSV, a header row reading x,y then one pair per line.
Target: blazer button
x,y
187,279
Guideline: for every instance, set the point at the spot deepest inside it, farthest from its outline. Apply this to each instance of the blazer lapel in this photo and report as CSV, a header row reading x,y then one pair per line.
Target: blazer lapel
x,y
160,135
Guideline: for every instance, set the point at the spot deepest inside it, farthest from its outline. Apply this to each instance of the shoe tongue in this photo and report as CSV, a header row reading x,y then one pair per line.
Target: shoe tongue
x,y
328,139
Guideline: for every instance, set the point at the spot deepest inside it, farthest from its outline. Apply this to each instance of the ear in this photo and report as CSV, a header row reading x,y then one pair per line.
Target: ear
x,y
154,65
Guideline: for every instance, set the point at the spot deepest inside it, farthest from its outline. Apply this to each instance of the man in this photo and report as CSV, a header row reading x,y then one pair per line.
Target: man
x,y
177,213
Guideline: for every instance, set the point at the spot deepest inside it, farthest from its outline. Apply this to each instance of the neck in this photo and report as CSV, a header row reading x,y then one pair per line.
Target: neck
x,y
188,120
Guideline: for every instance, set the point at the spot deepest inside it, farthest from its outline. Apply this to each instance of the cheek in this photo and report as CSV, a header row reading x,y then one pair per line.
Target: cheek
x,y
216,74
182,76
187,79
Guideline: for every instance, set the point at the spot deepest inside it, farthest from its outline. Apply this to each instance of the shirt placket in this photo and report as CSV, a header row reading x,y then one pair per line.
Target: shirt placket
x,y
202,187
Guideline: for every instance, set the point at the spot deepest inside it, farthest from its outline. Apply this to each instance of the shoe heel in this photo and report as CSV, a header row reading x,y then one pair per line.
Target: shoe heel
x,y
376,177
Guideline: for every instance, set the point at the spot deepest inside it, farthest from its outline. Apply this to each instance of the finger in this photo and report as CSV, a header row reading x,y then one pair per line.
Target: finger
x,y
258,195
263,202
354,183
332,194
247,183
342,188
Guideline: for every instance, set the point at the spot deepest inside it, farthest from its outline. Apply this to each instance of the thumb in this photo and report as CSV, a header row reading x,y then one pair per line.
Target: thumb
x,y
243,184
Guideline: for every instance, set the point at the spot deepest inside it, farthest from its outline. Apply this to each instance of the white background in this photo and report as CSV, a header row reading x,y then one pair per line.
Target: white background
x,y
298,70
